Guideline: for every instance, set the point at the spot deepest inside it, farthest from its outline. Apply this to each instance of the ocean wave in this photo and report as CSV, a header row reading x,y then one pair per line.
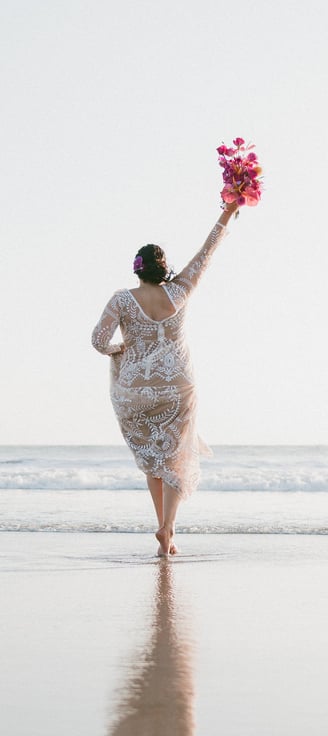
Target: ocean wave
x,y
231,468
247,479
287,527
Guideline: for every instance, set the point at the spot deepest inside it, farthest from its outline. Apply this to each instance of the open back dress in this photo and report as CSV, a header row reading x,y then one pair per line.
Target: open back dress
x,y
152,384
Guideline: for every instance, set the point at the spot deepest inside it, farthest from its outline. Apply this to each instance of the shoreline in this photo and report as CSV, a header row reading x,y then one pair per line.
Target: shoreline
x,y
100,636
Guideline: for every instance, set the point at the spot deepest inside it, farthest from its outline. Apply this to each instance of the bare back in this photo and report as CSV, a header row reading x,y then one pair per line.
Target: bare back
x,y
154,301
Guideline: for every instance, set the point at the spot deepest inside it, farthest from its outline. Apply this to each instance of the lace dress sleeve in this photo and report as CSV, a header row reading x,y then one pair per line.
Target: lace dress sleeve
x,y
105,328
188,278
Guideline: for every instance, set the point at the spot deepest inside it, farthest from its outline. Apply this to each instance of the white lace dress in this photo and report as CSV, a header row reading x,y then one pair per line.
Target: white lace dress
x,y
152,385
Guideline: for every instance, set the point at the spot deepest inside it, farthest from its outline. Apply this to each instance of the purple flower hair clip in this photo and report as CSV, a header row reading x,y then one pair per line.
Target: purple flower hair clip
x,y
138,264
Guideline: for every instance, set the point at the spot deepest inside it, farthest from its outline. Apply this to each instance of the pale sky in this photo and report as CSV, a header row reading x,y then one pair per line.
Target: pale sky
x,y
111,115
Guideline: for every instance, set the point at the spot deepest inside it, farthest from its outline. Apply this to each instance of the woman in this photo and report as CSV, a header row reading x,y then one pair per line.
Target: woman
x,y
152,384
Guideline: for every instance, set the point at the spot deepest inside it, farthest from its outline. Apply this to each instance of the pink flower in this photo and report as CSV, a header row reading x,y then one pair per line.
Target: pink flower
x,y
138,264
228,195
241,172
252,196
238,142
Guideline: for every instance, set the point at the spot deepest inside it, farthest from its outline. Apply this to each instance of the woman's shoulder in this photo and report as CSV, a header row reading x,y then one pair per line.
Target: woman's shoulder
x,y
118,300
120,295
177,290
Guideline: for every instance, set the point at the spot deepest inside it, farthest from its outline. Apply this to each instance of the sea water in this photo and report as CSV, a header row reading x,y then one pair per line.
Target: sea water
x,y
236,622
243,490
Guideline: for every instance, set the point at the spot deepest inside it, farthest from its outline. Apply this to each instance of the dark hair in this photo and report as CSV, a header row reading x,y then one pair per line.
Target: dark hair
x,y
154,267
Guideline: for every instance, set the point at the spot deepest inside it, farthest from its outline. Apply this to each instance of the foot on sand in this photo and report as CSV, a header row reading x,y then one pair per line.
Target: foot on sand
x,y
164,537
172,551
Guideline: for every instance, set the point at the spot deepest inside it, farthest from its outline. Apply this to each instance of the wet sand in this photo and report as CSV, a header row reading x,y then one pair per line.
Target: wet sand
x,y
99,637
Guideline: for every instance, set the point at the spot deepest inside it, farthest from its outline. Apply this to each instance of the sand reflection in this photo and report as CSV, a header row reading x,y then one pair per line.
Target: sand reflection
x,y
159,695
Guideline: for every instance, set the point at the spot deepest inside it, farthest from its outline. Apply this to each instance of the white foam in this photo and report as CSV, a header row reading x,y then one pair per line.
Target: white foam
x,y
216,528
230,469
254,479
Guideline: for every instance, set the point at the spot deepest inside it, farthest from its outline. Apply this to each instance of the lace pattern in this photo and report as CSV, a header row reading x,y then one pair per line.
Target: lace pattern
x,y
152,385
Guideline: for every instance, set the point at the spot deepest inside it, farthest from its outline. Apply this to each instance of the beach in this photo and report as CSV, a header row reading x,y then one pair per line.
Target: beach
x,y
99,636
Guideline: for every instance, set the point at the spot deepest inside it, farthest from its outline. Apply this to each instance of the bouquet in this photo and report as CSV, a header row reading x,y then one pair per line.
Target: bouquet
x,y
241,174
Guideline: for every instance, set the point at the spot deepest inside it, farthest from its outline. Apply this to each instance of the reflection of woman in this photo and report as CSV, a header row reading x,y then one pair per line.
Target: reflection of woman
x,y
152,384
159,697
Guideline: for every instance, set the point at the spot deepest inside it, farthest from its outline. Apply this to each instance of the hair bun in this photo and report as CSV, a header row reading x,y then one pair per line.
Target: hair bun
x,y
152,264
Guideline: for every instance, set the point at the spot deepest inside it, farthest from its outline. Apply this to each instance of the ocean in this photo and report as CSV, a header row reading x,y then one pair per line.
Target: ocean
x,y
99,635
243,490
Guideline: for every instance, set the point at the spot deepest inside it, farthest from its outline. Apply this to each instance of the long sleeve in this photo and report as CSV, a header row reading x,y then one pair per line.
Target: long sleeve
x,y
105,328
188,278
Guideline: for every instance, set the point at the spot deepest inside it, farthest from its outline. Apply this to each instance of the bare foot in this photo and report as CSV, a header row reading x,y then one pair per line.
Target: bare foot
x,y
172,551
163,536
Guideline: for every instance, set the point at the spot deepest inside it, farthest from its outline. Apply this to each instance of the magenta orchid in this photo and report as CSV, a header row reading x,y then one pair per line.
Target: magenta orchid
x,y
241,174
138,264
238,142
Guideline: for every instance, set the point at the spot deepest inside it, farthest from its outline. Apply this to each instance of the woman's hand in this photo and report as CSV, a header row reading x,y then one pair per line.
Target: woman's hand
x,y
228,211
119,349
231,207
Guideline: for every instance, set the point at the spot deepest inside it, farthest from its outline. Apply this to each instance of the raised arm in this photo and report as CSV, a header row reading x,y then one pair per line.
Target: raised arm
x,y
105,328
189,276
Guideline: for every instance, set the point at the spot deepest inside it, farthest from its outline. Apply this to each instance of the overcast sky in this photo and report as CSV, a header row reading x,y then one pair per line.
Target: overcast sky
x,y
111,115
